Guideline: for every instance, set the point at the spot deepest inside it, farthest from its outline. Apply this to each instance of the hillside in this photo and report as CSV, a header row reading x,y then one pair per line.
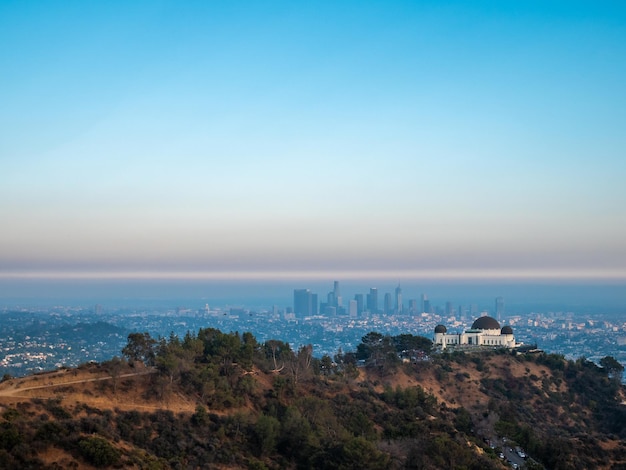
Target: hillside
x,y
216,400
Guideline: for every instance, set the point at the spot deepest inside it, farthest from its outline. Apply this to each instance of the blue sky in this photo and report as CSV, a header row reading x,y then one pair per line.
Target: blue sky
x,y
313,139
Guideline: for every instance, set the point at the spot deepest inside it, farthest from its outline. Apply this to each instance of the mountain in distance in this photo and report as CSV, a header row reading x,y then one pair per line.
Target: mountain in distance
x,y
224,400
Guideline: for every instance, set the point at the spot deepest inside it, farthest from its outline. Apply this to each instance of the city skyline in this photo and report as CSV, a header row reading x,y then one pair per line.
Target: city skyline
x,y
257,140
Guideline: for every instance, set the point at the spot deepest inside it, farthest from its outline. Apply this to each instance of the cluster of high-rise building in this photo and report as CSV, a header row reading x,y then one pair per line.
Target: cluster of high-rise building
x,y
307,303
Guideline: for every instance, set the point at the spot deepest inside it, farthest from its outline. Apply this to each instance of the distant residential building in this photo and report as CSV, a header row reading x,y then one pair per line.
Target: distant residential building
x,y
238,312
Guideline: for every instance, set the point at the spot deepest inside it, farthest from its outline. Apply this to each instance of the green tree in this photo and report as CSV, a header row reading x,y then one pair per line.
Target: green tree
x,y
98,451
613,368
9,436
296,435
369,343
115,367
300,363
267,432
326,364
463,421
140,347
359,453
379,352
278,352
411,344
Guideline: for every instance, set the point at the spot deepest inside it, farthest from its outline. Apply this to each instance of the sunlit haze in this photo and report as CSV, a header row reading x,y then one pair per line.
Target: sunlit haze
x,y
290,140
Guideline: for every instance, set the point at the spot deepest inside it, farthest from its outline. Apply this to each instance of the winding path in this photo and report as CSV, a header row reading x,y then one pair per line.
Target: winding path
x,y
14,390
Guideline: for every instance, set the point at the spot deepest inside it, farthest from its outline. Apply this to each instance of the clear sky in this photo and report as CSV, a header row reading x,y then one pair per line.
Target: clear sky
x,y
313,139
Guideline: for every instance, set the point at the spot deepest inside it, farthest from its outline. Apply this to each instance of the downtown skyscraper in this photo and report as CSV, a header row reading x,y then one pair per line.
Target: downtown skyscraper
x,y
304,303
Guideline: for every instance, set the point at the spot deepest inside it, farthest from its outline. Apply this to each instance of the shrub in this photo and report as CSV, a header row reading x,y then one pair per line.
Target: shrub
x,y
98,451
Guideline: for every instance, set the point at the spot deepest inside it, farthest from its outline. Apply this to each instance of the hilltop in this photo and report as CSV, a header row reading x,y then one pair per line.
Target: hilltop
x,y
216,400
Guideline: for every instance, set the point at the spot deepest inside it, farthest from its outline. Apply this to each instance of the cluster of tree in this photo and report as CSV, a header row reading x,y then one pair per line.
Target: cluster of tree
x,y
217,366
358,429
587,397
313,415
384,353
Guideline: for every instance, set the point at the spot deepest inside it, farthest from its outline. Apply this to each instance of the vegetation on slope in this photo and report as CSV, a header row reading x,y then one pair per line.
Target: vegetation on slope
x,y
263,405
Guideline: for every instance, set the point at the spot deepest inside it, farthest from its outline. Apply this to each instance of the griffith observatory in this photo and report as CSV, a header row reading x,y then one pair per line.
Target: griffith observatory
x,y
485,331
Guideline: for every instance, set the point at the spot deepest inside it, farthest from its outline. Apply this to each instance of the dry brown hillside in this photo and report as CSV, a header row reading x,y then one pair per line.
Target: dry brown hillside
x,y
436,412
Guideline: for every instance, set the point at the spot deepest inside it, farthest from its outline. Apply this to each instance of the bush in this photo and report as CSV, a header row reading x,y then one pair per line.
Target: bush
x,y
98,451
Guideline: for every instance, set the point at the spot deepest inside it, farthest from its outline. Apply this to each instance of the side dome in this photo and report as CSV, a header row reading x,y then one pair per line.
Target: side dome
x,y
440,329
486,323
507,330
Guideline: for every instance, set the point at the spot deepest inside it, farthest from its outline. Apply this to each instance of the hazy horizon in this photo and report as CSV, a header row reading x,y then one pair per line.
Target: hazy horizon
x,y
520,297
235,140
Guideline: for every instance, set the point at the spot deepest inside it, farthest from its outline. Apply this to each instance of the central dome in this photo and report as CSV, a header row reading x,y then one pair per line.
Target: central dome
x,y
486,323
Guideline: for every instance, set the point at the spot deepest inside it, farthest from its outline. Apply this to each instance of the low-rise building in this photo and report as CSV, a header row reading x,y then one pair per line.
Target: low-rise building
x,y
485,331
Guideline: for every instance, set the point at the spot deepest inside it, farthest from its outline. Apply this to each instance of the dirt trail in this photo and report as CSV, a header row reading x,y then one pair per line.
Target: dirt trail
x,y
49,385
14,389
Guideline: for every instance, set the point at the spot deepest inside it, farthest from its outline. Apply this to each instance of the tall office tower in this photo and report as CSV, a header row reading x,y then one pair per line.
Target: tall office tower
x,y
331,301
423,301
449,308
359,303
387,304
473,311
304,302
372,300
426,306
353,309
301,301
413,306
499,308
398,299
337,293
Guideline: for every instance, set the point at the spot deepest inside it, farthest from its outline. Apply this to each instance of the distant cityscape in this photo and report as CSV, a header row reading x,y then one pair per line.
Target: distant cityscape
x,y
305,304
43,338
